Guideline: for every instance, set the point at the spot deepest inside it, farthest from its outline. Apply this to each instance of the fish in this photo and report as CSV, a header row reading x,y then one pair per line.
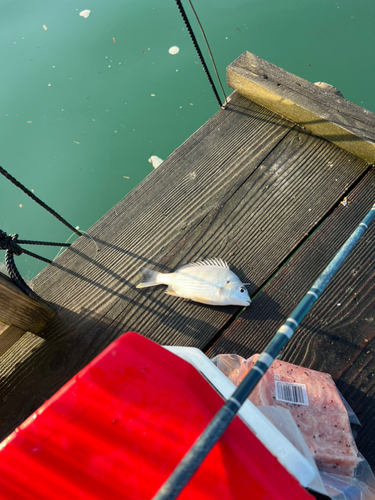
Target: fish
x,y
208,281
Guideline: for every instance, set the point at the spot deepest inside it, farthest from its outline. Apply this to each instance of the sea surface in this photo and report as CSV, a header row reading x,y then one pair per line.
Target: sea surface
x,y
85,102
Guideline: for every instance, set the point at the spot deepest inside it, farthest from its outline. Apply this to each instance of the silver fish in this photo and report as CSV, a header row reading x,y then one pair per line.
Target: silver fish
x,y
209,282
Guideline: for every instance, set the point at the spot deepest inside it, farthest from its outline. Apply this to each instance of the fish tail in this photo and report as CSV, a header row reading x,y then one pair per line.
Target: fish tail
x,y
149,278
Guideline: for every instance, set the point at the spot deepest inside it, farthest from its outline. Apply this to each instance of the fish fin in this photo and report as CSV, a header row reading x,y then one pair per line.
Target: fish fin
x,y
221,290
206,262
149,278
170,291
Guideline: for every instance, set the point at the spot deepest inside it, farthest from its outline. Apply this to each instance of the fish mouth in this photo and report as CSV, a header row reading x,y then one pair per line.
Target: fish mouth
x,y
245,303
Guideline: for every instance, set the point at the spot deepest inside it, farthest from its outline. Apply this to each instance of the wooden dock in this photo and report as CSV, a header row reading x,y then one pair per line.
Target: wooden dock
x,y
258,190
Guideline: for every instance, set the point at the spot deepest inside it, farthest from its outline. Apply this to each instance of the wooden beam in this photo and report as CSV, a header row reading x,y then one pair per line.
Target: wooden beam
x,y
19,310
9,335
324,113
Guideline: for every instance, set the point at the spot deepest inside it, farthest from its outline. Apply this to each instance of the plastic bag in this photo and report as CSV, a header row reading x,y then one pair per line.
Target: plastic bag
x,y
353,419
284,422
314,403
359,487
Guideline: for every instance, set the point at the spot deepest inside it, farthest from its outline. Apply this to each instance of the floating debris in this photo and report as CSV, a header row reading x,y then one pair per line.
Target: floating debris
x,y
126,177
76,142
29,122
45,27
155,161
174,50
20,205
85,13
113,40
152,95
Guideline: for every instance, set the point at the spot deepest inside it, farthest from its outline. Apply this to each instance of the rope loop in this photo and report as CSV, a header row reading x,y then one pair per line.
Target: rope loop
x,y
16,277
9,242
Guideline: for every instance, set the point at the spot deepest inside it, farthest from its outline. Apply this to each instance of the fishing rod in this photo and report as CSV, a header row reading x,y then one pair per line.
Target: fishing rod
x,y
216,428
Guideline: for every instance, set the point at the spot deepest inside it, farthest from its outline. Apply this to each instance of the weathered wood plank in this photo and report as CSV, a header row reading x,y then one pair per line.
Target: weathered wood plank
x,y
242,230
244,188
142,229
338,335
9,335
18,360
325,114
19,310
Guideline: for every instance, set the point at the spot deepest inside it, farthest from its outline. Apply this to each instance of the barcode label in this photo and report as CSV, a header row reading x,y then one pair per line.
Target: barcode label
x,y
291,393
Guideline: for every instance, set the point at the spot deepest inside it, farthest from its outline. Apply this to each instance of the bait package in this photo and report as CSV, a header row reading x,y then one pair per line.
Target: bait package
x,y
318,415
314,403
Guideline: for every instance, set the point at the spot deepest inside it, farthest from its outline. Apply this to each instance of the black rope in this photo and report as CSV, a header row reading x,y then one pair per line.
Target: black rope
x,y
16,277
195,43
11,244
46,243
40,202
209,51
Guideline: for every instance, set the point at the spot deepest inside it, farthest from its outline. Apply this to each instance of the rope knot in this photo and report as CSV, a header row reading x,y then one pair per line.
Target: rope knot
x,y
9,242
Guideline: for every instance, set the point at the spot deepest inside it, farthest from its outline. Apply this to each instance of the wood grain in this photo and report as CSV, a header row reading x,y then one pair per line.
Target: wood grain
x,y
327,115
288,187
17,364
155,220
19,310
9,335
338,335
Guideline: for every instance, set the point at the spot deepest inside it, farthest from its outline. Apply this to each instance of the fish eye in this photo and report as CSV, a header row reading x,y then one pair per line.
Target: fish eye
x,y
241,289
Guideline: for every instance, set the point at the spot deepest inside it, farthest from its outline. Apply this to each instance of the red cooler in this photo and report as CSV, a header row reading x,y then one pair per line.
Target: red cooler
x,y
119,428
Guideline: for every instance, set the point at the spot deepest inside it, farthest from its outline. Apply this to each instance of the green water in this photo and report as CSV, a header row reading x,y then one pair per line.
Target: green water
x,y
93,119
